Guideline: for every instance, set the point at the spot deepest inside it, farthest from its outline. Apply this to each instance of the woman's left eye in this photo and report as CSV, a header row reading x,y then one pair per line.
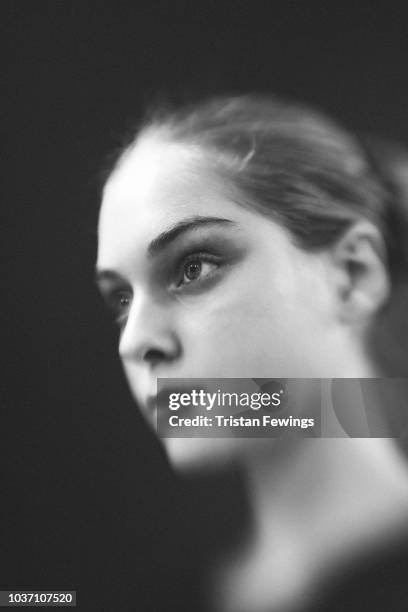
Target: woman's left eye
x,y
196,268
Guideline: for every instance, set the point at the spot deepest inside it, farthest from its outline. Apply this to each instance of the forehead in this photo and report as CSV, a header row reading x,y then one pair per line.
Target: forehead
x,y
156,173
157,184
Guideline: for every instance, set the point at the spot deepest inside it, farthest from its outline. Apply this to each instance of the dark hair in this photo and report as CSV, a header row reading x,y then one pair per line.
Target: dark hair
x,y
312,175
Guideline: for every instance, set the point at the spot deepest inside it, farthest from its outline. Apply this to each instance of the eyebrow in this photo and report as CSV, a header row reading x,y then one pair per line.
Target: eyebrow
x,y
163,240
108,275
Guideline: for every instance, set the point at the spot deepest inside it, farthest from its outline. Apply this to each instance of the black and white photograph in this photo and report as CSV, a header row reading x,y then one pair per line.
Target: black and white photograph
x,y
205,306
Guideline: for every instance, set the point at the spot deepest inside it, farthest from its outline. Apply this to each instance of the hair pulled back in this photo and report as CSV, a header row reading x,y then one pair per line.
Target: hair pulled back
x,y
313,176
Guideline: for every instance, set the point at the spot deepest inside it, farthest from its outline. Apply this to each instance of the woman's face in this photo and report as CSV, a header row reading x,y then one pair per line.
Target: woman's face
x,y
201,286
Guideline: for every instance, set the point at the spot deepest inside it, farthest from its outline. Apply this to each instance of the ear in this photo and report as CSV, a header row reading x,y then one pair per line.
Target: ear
x,y
362,283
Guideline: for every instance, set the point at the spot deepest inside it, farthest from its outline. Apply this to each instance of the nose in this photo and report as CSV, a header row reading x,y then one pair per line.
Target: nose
x,y
149,335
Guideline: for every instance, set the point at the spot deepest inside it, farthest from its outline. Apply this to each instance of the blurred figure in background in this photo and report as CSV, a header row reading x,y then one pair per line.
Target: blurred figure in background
x,y
251,236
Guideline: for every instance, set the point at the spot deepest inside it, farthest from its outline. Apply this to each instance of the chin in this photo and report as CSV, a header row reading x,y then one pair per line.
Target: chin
x,y
202,454
214,454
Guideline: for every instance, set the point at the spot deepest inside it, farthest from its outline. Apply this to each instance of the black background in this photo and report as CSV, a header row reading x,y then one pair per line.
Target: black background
x,y
87,498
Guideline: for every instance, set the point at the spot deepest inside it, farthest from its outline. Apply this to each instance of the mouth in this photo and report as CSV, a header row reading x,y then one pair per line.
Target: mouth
x,y
157,403
156,411
151,404
151,411
156,406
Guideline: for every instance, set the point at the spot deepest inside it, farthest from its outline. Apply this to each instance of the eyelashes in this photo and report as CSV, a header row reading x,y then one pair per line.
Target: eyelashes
x,y
118,303
195,268
192,273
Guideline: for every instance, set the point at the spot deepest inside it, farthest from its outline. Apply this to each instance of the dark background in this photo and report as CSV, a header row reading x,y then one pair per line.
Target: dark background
x,y
87,498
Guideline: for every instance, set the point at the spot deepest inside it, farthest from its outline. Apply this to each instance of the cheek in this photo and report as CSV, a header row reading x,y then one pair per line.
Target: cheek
x,y
267,329
243,337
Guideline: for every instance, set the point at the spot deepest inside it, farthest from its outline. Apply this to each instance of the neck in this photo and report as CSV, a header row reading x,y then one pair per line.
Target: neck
x,y
315,505
342,472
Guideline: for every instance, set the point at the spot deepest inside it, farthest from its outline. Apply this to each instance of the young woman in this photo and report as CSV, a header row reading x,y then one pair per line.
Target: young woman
x,y
249,236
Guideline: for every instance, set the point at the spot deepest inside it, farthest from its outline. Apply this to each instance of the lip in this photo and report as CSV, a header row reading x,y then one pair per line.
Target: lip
x,y
158,401
155,404
150,411
155,409
151,403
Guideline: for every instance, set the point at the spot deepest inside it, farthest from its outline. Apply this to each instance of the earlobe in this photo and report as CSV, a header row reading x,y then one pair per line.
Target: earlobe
x,y
362,281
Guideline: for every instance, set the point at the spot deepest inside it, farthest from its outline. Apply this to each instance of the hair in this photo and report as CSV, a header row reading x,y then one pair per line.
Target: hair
x,y
312,175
